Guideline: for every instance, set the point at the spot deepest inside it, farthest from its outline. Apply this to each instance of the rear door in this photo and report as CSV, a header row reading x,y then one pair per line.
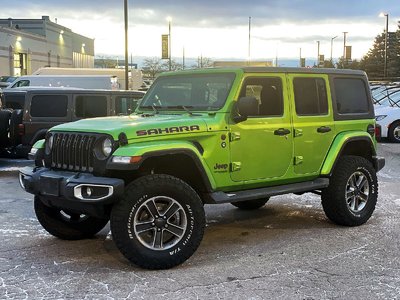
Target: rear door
x,y
91,106
313,123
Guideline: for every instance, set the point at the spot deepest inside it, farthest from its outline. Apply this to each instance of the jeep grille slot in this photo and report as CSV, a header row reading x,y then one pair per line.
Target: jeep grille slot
x,y
73,151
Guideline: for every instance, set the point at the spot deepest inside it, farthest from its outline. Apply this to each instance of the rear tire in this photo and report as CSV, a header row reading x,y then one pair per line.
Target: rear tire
x,y
351,196
159,222
394,132
250,204
66,225
4,127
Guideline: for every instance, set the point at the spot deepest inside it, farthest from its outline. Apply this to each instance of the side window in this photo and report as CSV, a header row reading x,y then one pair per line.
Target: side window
x,y
49,106
351,96
21,83
90,106
310,96
268,92
125,105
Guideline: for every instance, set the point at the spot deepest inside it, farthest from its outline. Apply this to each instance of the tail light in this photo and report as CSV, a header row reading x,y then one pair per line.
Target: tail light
x,y
21,129
378,130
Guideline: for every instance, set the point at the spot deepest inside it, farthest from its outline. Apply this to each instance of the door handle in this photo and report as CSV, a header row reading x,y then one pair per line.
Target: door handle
x,y
282,131
324,129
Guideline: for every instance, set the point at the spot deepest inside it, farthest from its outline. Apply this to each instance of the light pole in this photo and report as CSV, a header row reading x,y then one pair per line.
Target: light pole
x,y
386,42
248,58
344,47
332,47
126,44
318,42
169,19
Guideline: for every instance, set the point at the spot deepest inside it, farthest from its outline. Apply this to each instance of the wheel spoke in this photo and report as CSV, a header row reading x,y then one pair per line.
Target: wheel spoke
x,y
353,182
363,182
363,197
172,209
143,227
157,242
350,194
175,230
151,207
356,203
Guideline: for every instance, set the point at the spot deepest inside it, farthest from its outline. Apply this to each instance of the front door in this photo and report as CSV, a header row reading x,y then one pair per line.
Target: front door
x,y
313,123
262,146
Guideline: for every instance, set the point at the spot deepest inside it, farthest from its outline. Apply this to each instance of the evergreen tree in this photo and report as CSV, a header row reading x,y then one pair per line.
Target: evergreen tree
x,y
373,62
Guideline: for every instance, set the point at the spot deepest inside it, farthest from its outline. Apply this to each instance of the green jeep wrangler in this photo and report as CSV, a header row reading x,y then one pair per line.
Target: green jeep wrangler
x,y
209,136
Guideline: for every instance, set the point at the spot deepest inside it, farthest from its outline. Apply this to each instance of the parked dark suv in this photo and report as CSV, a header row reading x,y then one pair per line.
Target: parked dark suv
x,y
28,113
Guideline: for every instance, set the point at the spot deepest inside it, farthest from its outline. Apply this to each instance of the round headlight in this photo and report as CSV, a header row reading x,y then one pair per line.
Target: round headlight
x,y
49,144
107,147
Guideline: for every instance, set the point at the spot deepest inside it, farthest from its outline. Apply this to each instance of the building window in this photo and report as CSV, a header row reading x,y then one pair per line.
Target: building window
x,y
20,64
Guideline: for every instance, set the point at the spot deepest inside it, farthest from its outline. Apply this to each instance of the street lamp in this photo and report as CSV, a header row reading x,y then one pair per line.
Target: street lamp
x,y
318,42
169,19
126,44
332,47
386,42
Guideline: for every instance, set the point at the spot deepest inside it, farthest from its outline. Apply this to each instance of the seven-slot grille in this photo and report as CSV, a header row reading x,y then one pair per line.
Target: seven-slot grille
x,y
73,151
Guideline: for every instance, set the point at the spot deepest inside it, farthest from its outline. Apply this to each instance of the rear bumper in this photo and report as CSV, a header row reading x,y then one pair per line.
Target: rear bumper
x,y
78,192
379,163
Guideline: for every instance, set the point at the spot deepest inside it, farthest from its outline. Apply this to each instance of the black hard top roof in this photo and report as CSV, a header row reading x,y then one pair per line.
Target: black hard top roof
x,y
302,70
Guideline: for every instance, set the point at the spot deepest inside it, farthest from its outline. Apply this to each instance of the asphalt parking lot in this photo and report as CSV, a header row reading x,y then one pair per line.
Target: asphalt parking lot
x,y
286,250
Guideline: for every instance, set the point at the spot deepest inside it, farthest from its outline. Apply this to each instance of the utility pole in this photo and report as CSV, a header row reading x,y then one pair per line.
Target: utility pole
x,y
332,48
183,58
170,43
249,53
318,42
300,59
126,44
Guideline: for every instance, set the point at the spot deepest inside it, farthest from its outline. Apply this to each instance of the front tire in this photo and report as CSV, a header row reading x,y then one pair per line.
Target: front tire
x,y
351,196
159,222
66,225
394,132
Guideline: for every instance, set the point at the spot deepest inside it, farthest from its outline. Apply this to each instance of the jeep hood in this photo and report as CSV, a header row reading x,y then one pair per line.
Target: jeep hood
x,y
135,126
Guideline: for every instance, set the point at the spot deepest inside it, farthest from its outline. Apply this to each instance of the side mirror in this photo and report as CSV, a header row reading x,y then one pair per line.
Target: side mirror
x,y
246,106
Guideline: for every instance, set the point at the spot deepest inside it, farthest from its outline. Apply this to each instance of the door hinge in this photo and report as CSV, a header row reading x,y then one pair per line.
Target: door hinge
x,y
234,136
298,160
236,166
298,132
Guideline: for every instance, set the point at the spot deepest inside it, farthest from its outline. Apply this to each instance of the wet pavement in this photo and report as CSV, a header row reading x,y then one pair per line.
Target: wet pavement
x,y
286,250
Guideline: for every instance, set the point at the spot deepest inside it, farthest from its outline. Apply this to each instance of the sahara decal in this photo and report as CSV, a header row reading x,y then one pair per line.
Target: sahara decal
x,y
168,130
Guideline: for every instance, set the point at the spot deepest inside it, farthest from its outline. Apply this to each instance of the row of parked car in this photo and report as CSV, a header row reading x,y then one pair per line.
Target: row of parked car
x,y
386,97
27,113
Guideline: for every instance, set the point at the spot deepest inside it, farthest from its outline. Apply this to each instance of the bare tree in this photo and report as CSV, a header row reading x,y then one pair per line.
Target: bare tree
x,y
152,66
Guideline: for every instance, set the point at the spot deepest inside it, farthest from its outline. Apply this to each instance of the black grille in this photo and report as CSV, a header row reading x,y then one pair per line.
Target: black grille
x,y
73,151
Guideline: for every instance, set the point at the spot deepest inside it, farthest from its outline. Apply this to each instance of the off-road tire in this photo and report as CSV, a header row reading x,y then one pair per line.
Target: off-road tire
x,y
56,222
250,204
334,198
4,127
391,132
139,247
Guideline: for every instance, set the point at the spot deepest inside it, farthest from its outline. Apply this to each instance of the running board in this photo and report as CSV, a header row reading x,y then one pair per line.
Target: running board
x,y
246,195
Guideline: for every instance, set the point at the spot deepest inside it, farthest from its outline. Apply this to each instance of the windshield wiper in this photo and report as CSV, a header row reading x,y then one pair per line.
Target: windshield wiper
x,y
185,108
154,107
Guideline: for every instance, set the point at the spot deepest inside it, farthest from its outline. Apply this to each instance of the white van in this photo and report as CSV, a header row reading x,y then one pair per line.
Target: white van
x,y
76,81
135,76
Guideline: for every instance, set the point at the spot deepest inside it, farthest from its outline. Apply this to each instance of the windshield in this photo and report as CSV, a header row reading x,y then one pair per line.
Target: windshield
x,y
193,92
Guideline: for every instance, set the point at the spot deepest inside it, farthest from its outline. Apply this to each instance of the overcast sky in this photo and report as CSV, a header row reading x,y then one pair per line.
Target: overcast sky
x,y
217,29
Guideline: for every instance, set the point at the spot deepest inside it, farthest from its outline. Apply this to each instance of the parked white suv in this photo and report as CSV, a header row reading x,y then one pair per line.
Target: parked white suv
x,y
389,119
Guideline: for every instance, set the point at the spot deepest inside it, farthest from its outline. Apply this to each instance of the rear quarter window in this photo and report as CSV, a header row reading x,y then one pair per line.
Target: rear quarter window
x,y
49,106
351,96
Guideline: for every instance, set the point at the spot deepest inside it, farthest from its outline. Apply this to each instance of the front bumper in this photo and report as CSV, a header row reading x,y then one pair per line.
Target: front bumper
x,y
78,192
